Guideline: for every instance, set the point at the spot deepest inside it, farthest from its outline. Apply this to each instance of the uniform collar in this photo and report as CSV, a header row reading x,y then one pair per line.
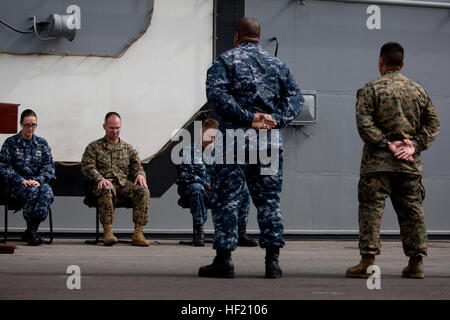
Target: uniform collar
x,y
105,141
391,72
248,44
23,141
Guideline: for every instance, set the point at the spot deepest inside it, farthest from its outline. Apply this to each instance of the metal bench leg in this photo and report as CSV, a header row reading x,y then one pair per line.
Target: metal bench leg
x,y
189,243
6,223
5,236
50,221
97,229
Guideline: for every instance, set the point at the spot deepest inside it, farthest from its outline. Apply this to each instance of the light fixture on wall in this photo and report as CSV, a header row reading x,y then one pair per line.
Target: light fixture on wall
x,y
309,114
56,26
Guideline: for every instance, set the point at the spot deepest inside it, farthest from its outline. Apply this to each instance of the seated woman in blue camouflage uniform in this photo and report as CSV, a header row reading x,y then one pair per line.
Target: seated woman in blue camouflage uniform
x,y
26,167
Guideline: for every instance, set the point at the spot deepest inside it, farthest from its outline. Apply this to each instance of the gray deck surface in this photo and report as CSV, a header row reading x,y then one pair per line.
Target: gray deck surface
x,y
168,271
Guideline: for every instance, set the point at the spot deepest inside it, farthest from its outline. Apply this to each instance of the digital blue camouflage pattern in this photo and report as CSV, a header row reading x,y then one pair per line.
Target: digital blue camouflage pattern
x,y
20,160
241,82
246,80
194,170
229,195
244,207
200,199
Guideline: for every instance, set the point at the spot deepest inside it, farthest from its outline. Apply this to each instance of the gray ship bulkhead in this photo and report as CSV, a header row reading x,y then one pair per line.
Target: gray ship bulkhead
x,y
332,48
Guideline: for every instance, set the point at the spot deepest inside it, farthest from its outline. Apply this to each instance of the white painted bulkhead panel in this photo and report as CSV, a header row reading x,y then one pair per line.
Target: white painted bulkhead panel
x,y
156,86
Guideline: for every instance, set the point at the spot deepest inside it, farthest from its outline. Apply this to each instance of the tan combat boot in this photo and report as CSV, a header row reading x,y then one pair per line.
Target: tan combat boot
x,y
414,269
138,238
108,237
360,270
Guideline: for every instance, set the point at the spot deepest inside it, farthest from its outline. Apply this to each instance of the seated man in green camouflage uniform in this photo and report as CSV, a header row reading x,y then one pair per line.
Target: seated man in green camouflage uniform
x,y
396,120
114,169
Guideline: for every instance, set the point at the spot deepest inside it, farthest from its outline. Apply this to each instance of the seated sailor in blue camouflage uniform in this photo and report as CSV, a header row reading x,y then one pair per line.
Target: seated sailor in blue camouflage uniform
x,y
26,167
254,91
197,174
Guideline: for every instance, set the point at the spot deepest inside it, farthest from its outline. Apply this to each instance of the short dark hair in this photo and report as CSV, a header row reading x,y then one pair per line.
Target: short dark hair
x,y
27,113
392,54
110,114
210,123
248,27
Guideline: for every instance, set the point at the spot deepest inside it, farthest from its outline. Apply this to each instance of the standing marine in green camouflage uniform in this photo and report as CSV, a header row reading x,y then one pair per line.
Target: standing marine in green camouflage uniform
x,y
396,120
109,163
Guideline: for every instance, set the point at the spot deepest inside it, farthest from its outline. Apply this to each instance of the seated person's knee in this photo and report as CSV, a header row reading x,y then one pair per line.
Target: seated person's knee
x,y
194,188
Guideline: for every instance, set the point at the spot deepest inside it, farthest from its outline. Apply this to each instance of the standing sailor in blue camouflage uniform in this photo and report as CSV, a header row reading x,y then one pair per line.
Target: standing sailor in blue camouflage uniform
x,y
249,89
197,174
26,167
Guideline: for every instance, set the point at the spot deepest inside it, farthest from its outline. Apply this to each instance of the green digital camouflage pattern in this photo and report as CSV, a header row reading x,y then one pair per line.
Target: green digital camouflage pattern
x,y
107,196
103,160
119,163
389,108
407,193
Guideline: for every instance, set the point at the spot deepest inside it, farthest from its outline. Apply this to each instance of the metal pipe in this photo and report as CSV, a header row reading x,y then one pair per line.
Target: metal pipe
x,y
405,3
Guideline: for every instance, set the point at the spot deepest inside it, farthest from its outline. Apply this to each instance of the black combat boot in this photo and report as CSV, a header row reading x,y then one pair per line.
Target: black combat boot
x,y
31,236
199,236
222,266
36,224
243,239
273,270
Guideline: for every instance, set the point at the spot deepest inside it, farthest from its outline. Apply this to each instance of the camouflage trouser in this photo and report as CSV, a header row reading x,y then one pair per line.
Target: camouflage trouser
x,y
35,200
244,208
228,190
407,193
107,196
200,200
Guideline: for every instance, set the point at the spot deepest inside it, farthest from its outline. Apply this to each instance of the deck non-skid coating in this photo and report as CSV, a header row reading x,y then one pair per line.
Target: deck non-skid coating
x,y
167,270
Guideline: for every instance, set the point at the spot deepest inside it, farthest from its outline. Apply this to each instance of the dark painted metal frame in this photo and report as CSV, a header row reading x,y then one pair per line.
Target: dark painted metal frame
x,y
92,203
10,205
